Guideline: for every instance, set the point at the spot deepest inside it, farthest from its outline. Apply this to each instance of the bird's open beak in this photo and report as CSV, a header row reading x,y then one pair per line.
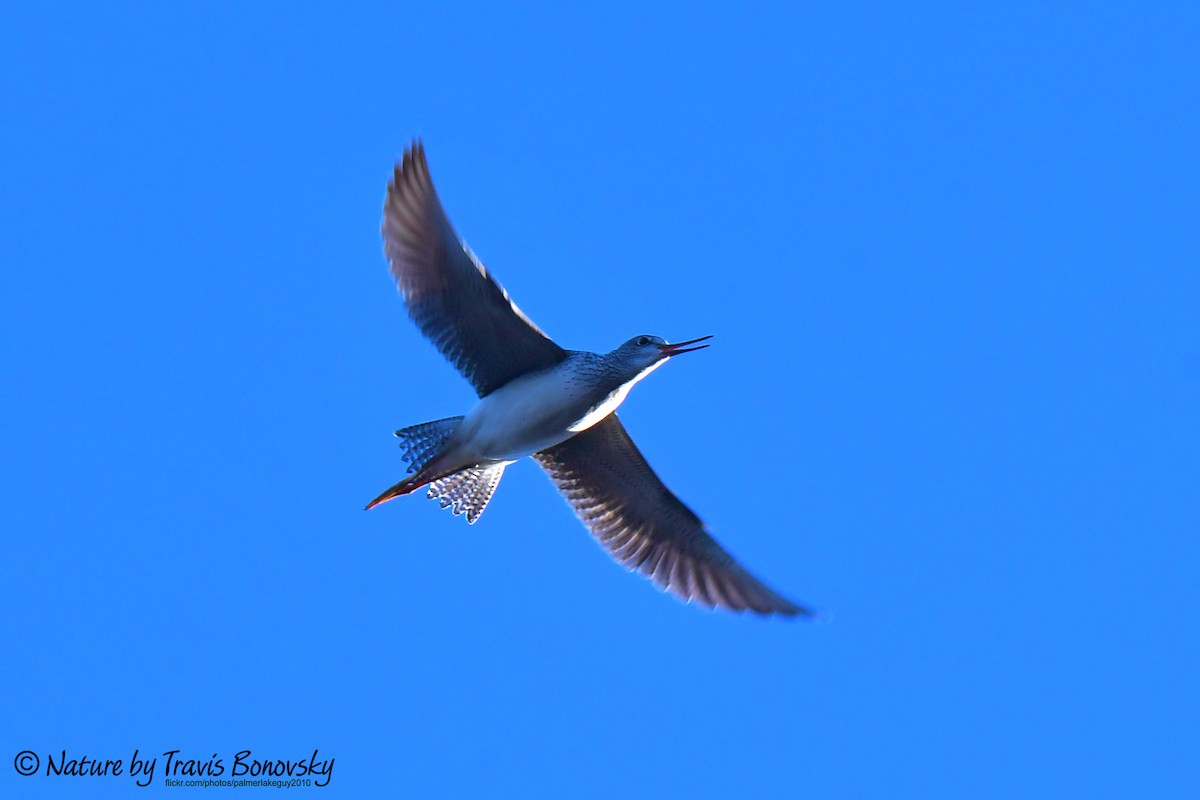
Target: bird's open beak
x,y
669,350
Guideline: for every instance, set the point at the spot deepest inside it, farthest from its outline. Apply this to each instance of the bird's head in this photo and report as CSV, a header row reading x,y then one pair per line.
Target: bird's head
x,y
643,353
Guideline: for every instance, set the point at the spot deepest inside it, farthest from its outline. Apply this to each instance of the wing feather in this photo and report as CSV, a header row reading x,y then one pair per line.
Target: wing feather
x,y
451,297
643,525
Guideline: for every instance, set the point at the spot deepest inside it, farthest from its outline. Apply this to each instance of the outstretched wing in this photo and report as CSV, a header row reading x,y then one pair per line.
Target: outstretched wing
x,y
449,294
646,527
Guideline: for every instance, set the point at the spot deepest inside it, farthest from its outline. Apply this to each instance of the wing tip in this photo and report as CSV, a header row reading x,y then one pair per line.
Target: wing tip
x,y
735,591
411,168
784,609
780,607
414,153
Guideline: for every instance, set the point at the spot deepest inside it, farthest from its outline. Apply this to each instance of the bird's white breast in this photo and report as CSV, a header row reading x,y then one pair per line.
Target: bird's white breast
x,y
537,411
524,416
602,409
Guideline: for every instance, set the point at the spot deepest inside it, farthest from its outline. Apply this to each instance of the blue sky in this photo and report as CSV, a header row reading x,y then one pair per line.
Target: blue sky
x,y
949,256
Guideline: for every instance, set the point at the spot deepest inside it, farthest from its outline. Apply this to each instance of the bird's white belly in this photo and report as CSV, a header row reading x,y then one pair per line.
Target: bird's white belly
x,y
532,413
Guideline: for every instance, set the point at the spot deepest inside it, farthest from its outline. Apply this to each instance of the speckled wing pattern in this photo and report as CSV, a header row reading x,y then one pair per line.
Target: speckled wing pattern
x,y
646,527
454,301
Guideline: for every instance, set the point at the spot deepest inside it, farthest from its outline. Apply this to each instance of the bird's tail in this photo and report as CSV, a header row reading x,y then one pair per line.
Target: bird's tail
x,y
419,445
465,491
468,490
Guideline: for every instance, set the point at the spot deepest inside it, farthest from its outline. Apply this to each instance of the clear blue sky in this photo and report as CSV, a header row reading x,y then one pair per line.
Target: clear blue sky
x,y
951,257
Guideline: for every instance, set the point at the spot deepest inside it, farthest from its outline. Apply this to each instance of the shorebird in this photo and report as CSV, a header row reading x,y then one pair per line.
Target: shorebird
x,y
538,399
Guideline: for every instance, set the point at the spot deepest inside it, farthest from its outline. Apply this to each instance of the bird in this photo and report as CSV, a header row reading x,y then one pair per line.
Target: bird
x,y
541,400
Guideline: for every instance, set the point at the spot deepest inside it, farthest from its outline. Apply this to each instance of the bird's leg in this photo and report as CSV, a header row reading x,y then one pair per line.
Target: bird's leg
x,y
405,486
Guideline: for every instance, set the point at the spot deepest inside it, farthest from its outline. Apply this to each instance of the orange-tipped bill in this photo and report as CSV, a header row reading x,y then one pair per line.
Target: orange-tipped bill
x,y
669,350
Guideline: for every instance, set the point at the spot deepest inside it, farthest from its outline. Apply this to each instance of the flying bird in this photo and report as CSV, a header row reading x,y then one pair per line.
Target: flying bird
x,y
538,399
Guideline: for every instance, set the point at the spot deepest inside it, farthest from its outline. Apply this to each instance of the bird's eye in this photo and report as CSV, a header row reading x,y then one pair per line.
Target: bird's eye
x,y
643,341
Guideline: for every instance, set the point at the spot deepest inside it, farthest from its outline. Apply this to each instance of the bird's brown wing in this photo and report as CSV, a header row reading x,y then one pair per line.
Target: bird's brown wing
x,y
644,526
449,294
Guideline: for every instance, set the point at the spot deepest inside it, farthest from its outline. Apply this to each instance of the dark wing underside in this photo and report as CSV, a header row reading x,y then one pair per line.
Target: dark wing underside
x,y
449,294
646,527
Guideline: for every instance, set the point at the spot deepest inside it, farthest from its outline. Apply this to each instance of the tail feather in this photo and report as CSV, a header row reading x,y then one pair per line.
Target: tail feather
x,y
420,443
463,491
469,490
419,446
